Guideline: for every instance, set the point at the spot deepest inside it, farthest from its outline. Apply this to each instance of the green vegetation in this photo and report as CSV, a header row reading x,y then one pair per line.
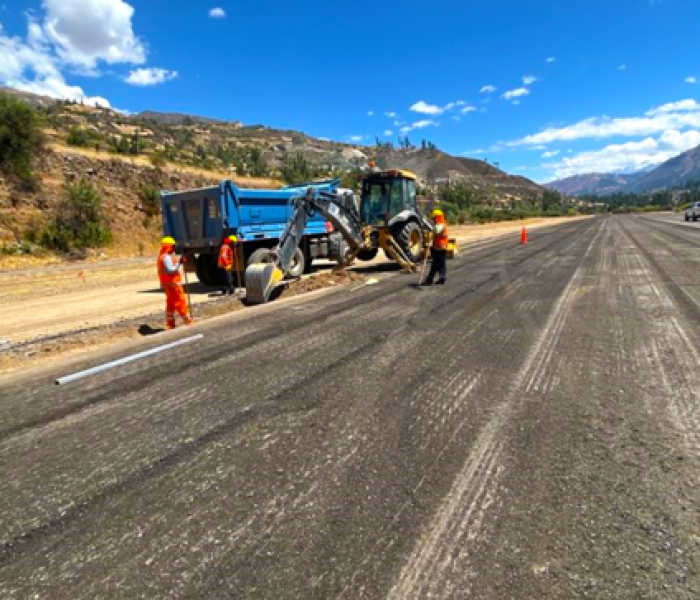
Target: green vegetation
x,y
296,169
78,222
20,140
150,200
462,204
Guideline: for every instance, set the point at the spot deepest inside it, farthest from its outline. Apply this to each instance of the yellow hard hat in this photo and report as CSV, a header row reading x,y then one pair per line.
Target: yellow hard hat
x,y
437,213
167,241
232,238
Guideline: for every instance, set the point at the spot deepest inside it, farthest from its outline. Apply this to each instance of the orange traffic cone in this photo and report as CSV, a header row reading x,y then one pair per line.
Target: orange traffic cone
x,y
523,236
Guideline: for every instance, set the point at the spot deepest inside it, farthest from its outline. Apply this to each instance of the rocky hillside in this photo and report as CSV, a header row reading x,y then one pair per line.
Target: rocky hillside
x,y
434,167
122,153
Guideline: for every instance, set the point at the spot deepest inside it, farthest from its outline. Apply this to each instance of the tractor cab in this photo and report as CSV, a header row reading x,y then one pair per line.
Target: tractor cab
x,y
385,195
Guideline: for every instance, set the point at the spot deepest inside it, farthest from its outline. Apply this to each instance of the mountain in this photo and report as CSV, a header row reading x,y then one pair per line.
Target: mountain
x,y
674,172
600,184
438,168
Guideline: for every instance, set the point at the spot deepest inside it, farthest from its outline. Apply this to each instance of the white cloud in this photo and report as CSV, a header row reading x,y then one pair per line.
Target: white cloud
x,y
87,31
150,76
370,113
628,156
674,107
488,89
217,13
420,125
356,138
32,65
517,93
468,109
529,79
388,132
551,59
516,102
691,79
427,109
622,68
675,115
390,114
550,154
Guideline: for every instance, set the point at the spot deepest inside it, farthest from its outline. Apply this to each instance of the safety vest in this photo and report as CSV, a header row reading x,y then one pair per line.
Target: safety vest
x,y
225,257
165,277
441,240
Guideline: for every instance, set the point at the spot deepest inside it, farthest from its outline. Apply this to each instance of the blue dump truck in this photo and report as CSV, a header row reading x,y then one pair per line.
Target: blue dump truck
x,y
201,219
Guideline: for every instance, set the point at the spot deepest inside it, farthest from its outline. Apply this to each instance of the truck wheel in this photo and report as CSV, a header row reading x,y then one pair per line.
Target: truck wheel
x,y
687,218
205,268
369,254
261,255
298,264
410,238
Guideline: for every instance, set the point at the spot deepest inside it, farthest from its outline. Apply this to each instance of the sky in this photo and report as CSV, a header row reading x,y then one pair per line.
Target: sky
x,y
545,88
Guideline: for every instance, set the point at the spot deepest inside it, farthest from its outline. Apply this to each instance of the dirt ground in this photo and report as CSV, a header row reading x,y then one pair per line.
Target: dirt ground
x,y
96,301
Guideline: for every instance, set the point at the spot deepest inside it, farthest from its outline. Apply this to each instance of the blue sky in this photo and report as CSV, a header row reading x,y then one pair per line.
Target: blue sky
x,y
544,88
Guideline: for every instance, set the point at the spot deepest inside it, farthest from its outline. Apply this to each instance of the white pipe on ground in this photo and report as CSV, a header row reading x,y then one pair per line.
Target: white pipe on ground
x,y
125,360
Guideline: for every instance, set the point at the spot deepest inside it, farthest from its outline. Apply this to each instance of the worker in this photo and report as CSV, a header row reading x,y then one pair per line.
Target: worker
x,y
226,255
438,250
171,283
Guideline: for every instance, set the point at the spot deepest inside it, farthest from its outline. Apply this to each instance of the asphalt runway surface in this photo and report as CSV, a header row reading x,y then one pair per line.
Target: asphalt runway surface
x,y
530,430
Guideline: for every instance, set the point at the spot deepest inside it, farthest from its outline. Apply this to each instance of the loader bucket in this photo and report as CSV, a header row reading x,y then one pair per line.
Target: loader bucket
x,y
260,280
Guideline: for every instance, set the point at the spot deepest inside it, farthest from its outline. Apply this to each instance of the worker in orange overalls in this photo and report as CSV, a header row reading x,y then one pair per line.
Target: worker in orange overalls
x,y
171,283
439,250
226,263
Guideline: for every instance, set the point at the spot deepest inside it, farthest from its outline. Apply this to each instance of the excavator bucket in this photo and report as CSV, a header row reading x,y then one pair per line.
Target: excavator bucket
x,y
260,280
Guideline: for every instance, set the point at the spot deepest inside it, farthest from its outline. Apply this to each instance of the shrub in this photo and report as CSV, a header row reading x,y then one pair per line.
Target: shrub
x,y
150,199
20,139
158,159
78,136
79,222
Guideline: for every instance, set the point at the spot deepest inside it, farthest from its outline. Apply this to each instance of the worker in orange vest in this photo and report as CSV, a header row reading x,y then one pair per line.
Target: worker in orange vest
x,y
171,283
226,262
439,250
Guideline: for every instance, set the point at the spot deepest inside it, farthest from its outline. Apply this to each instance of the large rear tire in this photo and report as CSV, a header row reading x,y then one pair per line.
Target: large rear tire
x,y
410,238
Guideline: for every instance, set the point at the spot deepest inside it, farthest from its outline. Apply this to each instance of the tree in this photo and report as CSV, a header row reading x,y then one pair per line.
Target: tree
x,y
20,140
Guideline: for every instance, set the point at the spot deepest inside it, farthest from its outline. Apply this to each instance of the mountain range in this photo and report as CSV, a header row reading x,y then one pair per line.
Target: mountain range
x,y
675,172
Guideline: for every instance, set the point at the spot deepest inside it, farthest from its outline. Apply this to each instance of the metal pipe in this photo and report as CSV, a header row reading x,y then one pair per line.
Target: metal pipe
x,y
126,359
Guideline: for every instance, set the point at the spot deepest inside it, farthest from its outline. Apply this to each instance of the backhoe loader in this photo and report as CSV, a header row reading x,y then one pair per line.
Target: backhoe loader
x,y
388,219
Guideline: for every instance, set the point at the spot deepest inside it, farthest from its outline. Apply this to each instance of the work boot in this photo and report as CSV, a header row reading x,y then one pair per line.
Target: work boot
x,y
426,283
189,321
441,281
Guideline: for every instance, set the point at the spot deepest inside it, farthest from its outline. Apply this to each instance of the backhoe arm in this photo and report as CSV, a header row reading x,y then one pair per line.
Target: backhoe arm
x,y
261,278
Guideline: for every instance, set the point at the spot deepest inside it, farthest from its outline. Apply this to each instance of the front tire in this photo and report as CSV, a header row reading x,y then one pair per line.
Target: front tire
x,y
687,218
410,238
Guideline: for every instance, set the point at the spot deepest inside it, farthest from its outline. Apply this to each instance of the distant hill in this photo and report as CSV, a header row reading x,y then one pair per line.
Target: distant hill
x,y
674,172
600,184
440,168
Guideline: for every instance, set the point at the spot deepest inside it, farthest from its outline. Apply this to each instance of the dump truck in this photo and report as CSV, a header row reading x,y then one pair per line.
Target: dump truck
x,y
201,219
